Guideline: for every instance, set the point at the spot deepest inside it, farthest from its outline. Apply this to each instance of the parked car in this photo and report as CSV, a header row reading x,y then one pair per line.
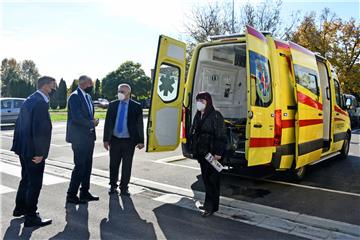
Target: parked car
x,y
10,109
353,109
101,103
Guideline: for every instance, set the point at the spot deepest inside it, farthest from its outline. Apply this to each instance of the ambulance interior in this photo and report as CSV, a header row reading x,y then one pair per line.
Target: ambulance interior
x,y
221,71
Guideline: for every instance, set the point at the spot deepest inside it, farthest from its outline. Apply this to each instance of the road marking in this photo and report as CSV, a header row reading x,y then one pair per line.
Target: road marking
x,y
15,170
171,159
272,181
5,189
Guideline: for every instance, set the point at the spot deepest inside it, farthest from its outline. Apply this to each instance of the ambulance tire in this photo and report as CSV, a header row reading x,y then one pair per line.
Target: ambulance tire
x,y
345,148
298,174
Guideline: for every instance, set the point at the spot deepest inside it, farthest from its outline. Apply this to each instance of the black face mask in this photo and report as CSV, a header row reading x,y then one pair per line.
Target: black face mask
x,y
52,92
89,89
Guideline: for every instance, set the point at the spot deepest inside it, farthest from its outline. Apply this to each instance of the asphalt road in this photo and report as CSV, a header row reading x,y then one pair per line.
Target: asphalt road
x,y
140,216
330,190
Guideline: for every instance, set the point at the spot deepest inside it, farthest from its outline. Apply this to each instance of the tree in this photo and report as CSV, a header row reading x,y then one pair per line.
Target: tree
x,y
29,72
97,93
74,85
62,94
337,40
10,71
130,73
54,100
20,88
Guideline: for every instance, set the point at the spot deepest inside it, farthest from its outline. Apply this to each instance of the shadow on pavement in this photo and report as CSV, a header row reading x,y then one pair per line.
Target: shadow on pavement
x,y
14,230
76,223
124,222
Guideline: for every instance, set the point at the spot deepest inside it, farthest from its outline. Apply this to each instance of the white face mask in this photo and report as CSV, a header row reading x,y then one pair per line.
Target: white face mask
x,y
121,96
200,106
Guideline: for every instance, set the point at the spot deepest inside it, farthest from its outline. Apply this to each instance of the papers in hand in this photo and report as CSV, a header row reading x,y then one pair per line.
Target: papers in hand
x,y
215,163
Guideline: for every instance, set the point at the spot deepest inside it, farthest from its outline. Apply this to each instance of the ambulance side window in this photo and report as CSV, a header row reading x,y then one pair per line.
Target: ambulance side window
x,y
168,87
337,93
260,80
307,78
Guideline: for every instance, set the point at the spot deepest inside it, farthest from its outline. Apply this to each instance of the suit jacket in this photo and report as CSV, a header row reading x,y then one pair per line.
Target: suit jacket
x,y
135,122
32,135
80,127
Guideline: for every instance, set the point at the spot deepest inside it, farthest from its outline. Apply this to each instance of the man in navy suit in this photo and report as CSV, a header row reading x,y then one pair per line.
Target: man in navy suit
x,y
123,131
31,142
80,132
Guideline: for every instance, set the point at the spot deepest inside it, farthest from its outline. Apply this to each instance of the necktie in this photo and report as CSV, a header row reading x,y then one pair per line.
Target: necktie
x,y
88,103
121,117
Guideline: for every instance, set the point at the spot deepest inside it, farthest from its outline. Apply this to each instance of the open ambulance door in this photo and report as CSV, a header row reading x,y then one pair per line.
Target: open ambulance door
x,y
163,129
309,116
260,141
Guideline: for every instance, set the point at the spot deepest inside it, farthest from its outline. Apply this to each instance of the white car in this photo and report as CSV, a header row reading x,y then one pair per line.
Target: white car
x,y
10,109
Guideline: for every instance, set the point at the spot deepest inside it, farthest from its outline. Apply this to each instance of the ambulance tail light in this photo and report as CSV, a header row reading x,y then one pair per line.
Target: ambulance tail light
x,y
278,128
183,130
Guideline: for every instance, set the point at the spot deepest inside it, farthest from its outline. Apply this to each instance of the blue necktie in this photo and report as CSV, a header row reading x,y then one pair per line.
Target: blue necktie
x,y
121,117
88,103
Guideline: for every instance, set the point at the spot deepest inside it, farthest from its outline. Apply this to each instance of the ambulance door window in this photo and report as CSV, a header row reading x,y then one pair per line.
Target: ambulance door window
x,y
337,93
261,92
168,87
307,78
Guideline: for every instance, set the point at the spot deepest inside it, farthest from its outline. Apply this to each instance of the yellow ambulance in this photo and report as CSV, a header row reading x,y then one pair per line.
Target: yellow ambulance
x,y
281,102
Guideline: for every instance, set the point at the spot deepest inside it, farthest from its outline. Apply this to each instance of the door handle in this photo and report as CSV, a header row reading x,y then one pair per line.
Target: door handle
x,y
320,114
337,114
9,111
257,125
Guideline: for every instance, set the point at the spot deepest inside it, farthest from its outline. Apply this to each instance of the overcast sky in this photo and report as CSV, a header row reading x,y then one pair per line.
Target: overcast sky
x,y
68,38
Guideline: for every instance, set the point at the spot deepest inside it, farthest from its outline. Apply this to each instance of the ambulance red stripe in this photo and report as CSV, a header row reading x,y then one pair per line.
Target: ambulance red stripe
x,y
308,101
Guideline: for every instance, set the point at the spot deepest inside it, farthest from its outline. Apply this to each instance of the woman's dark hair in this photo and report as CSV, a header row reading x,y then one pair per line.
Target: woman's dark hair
x,y
206,96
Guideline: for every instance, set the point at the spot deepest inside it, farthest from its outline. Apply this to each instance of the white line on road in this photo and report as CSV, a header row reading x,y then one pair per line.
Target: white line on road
x,y
15,170
270,181
5,189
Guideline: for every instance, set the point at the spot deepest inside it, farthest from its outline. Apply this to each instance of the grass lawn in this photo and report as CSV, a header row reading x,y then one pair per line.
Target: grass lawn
x,y
61,115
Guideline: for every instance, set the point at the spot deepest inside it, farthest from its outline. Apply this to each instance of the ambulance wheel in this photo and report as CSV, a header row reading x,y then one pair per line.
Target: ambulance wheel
x,y
297,174
345,148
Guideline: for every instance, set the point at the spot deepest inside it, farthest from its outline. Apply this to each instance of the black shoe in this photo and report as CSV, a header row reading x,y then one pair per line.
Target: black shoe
x,y
125,193
113,190
201,207
207,213
36,221
18,212
74,200
88,197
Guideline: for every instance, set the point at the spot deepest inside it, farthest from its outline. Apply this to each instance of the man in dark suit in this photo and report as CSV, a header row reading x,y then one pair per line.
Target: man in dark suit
x,y
31,142
123,131
80,132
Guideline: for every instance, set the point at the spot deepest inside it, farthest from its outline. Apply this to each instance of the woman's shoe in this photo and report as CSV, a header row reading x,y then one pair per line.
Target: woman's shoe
x,y
207,213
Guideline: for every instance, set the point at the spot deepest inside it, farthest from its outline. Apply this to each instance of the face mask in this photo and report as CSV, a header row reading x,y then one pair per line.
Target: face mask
x,y
121,96
89,89
200,106
52,92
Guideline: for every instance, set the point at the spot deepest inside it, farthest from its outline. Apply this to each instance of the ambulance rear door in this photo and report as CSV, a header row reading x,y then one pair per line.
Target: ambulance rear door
x,y
309,116
163,129
260,141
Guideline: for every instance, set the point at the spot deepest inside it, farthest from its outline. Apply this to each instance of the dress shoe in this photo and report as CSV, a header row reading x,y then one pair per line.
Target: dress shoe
x,y
88,197
113,190
125,193
207,213
74,200
18,212
201,207
36,221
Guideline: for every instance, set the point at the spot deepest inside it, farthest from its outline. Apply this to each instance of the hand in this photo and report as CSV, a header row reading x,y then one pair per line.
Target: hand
x,y
37,159
217,157
140,146
107,145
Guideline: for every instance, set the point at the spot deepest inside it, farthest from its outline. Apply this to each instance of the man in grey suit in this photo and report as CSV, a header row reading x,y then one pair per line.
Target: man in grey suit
x,y
80,133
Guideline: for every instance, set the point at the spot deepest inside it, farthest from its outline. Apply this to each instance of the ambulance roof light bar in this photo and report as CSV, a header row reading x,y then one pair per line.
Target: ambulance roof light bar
x,y
233,35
